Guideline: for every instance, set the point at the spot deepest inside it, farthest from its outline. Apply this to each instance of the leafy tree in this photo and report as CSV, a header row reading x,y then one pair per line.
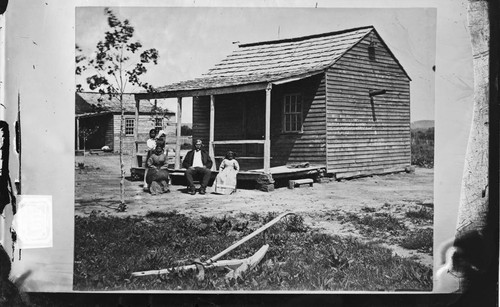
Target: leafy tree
x,y
117,62
186,130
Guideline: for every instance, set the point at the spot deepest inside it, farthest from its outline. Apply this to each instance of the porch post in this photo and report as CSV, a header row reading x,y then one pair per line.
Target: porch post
x,y
178,140
77,133
135,147
212,131
267,140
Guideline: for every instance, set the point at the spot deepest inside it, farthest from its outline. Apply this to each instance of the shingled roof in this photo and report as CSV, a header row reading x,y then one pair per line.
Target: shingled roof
x,y
92,103
275,61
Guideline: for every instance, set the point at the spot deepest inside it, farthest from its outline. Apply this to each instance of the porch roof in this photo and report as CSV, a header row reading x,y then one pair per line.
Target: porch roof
x,y
92,103
252,66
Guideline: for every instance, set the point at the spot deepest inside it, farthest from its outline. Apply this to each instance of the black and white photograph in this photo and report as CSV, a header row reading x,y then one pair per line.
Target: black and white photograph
x,y
253,149
209,152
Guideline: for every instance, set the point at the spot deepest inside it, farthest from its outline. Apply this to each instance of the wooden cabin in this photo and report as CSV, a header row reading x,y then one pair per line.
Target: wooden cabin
x,y
339,100
101,116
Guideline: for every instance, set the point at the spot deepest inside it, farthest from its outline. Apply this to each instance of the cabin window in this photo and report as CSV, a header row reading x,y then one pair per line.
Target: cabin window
x,y
292,113
129,126
158,124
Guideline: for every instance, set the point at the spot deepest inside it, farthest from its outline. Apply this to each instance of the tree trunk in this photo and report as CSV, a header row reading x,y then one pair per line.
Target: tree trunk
x,y
122,166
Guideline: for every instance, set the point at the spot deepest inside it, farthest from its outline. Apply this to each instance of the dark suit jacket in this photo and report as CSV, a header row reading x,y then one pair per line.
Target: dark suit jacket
x,y
205,158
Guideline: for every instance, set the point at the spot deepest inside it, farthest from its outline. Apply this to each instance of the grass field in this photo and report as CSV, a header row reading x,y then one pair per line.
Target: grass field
x,y
108,249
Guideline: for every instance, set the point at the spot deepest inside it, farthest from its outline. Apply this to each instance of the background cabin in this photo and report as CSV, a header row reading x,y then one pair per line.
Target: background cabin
x,y
101,116
339,100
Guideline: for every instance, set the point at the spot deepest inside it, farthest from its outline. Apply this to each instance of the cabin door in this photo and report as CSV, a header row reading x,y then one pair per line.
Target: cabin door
x,y
254,120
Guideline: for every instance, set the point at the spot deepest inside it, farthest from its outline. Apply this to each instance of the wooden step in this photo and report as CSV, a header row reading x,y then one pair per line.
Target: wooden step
x,y
299,182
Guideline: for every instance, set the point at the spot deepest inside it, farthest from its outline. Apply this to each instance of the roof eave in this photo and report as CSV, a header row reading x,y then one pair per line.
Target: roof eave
x,y
249,87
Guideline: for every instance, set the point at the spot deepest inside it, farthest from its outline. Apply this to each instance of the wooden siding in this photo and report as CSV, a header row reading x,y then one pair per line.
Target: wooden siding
x,y
241,116
108,137
367,135
310,144
201,119
145,124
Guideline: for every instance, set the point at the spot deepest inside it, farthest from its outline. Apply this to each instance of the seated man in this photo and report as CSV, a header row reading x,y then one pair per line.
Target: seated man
x,y
197,163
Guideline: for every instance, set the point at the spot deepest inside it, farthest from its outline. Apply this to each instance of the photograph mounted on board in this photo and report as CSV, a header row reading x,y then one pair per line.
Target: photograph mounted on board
x,y
251,149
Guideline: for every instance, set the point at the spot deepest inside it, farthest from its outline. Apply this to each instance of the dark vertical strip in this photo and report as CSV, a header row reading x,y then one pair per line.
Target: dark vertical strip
x,y
6,192
492,226
18,141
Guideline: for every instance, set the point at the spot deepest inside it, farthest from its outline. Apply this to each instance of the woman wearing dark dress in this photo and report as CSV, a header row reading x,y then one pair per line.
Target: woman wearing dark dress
x,y
157,176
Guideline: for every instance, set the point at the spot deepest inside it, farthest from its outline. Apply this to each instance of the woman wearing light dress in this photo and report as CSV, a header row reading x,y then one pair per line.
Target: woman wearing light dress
x,y
225,182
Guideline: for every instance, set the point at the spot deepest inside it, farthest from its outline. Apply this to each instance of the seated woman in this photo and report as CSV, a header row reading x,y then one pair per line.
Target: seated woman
x,y
225,182
157,176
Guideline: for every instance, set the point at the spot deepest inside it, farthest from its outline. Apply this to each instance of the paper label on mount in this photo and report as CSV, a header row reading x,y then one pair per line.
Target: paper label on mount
x,y
33,221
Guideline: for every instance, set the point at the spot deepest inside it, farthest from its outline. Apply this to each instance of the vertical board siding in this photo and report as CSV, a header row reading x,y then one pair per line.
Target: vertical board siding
x,y
229,122
367,135
201,118
242,116
310,144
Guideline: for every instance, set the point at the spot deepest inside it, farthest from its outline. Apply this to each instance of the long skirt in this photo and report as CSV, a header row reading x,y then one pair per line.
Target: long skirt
x,y
157,180
225,182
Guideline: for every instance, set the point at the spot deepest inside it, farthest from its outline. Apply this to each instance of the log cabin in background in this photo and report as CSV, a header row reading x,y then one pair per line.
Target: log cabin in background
x,y
101,115
337,101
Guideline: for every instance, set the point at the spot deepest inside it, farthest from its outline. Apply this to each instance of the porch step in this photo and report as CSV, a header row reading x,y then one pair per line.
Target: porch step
x,y
298,182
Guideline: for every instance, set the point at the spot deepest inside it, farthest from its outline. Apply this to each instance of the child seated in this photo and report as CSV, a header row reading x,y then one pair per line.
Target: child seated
x,y
225,182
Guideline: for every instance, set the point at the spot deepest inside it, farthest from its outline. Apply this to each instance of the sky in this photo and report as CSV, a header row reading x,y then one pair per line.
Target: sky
x,y
190,40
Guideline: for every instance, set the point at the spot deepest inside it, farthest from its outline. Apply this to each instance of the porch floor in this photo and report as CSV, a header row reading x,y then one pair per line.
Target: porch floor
x,y
279,173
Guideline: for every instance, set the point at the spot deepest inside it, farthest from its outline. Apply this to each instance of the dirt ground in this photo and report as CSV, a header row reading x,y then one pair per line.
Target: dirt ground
x,y
97,189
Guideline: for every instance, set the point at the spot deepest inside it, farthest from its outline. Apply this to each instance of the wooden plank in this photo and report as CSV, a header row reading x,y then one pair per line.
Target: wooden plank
x,y
135,148
267,144
203,91
340,169
359,109
350,78
298,182
353,163
78,133
177,162
359,156
212,130
225,142
347,63
362,71
250,236
353,76
376,171
351,100
345,146
346,92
